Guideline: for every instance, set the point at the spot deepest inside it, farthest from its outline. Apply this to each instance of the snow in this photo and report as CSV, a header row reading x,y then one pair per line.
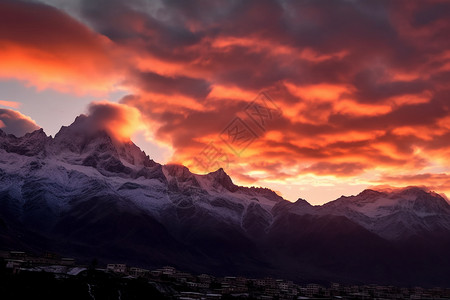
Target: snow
x,y
59,168
75,271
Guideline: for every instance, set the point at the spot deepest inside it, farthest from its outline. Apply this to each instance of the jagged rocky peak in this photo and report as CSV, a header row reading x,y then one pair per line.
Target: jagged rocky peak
x,y
38,134
178,171
411,191
180,177
260,191
132,154
80,138
412,199
221,178
370,193
302,203
392,194
97,144
30,144
423,200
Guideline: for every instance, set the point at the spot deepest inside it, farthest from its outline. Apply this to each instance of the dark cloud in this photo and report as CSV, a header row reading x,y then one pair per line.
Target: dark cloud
x,y
13,122
118,120
339,169
191,87
362,85
34,25
47,47
372,87
437,181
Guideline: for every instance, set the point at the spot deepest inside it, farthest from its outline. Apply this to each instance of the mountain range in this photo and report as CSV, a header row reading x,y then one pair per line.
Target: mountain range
x,y
85,194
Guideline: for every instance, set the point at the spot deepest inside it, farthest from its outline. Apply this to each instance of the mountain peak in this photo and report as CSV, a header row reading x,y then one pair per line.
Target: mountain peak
x,y
220,177
177,170
370,193
219,173
302,202
413,190
32,143
97,144
38,132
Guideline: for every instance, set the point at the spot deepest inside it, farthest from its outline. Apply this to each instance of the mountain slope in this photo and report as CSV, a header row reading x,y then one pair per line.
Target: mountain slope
x,y
86,194
396,215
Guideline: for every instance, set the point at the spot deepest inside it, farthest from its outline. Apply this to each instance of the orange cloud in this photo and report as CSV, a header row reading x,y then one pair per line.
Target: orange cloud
x,y
47,48
362,93
318,92
119,120
11,104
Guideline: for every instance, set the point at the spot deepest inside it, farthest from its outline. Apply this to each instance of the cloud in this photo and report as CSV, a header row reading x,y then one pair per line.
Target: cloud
x,y
119,120
358,93
13,122
11,104
362,85
178,85
437,181
339,169
47,48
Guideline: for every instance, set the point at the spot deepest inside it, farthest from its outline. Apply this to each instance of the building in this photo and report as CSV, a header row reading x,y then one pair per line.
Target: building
x,y
14,265
190,295
17,254
67,261
167,270
117,268
137,272
312,289
204,278
266,282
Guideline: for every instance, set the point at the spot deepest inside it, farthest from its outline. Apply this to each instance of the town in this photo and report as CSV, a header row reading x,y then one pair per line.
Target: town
x,y
174,284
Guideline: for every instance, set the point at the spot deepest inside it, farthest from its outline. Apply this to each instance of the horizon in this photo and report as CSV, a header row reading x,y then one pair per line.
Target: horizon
x,y
291,96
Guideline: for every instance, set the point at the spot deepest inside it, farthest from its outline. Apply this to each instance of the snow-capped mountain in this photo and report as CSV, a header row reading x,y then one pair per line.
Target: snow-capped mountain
x,y
86,194
397,214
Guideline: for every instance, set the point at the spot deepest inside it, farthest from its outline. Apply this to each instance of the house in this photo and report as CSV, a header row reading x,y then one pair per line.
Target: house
x,y
14,265
117,268
266,282
167,270
67,261
137,272
17,254
190,295
203,285
204,278
312,289
50,256
183,277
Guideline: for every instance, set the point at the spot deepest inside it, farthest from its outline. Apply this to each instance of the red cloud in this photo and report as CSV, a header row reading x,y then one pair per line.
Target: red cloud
x,y
119,120
363,92
48,48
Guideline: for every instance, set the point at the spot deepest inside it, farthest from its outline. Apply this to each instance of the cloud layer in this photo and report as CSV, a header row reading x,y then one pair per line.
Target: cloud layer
x,y
47,48
13,122
363,86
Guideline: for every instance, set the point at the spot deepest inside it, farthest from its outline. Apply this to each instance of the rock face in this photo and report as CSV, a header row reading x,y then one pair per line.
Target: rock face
x,y
89,195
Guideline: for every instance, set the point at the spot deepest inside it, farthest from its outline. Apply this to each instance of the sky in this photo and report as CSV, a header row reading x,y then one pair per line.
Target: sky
x,y
313,99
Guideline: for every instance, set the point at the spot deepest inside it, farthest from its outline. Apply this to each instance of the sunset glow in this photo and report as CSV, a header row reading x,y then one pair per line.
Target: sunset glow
x,y
358,91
